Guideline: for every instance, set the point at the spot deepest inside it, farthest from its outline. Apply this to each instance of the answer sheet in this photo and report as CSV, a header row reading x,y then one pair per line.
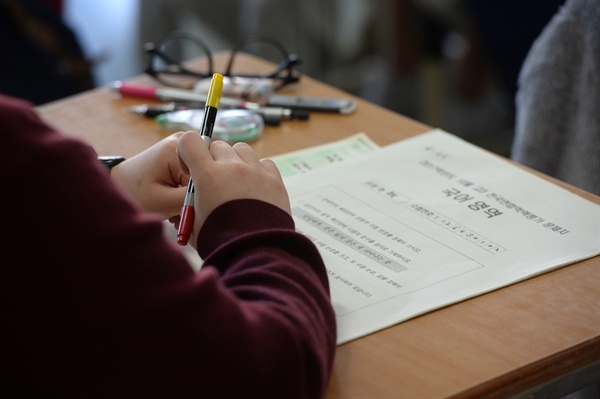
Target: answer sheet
x,y
303,161
430,221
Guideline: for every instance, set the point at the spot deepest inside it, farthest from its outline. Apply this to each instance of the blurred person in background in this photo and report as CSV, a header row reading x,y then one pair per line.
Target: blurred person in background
x,y
558,101
42,59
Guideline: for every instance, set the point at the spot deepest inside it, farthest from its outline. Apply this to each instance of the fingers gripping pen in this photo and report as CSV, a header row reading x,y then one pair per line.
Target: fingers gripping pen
x,y
186,222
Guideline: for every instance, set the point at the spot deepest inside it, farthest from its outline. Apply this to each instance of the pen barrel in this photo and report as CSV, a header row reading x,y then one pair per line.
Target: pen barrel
x,y
185,225
212,106
208,122
189,195
214,91
169,94
129,90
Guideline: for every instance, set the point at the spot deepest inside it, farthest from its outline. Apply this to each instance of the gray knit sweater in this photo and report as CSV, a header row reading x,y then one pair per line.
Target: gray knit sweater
x,y
558,101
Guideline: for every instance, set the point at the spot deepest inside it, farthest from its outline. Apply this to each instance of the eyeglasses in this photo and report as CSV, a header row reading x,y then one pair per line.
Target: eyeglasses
x,y
167,63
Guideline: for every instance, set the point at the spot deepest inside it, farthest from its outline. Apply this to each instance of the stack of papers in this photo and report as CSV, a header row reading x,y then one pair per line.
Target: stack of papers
x,y
427,222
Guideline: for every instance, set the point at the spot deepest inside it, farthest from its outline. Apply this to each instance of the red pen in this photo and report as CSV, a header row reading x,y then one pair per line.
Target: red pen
x,y
186,222
171,94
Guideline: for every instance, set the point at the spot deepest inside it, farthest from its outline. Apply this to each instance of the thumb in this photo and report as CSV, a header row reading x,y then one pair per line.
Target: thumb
x,y
192,152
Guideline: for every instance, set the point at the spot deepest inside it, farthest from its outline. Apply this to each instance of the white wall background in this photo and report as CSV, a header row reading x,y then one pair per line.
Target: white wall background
x,y
108,32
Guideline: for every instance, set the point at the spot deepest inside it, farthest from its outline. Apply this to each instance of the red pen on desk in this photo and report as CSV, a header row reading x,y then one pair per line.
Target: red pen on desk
x,y
186,222
170,94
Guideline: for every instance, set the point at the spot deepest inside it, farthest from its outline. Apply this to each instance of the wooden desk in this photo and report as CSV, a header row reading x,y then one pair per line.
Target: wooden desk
x,y
515,341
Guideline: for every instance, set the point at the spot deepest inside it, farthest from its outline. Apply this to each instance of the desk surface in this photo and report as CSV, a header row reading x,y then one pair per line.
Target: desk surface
x,y
499,344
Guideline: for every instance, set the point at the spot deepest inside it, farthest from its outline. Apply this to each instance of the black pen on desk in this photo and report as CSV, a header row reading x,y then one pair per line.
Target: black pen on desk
x,y
186,223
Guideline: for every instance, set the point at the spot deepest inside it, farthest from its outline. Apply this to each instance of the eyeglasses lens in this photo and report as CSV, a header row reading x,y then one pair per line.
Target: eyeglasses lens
x,y
179,62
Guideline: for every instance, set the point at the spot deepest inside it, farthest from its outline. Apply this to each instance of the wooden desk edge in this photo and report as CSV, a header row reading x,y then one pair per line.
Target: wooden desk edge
x,y
535,375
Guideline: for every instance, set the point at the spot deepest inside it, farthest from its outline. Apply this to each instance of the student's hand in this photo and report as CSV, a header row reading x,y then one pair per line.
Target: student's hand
x,y
226,173
154,178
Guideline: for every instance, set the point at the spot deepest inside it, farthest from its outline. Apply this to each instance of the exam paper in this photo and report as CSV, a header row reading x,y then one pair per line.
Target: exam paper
x,y
430,221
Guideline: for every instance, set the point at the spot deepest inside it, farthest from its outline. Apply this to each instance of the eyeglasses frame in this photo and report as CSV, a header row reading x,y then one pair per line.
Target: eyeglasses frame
x,y
174,67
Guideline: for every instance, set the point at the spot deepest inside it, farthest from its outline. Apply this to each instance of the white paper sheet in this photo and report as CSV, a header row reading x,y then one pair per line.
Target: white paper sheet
x,y
431,221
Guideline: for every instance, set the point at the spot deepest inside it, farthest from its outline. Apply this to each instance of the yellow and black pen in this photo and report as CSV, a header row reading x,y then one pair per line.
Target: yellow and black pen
x,y
186,223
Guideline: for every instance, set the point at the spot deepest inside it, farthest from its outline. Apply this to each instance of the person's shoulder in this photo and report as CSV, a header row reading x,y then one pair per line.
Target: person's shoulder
x,y
25,138
14,111
7,102
21,124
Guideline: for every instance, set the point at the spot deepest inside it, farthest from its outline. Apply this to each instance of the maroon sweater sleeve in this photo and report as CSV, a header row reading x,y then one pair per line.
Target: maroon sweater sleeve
x,y
95,302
